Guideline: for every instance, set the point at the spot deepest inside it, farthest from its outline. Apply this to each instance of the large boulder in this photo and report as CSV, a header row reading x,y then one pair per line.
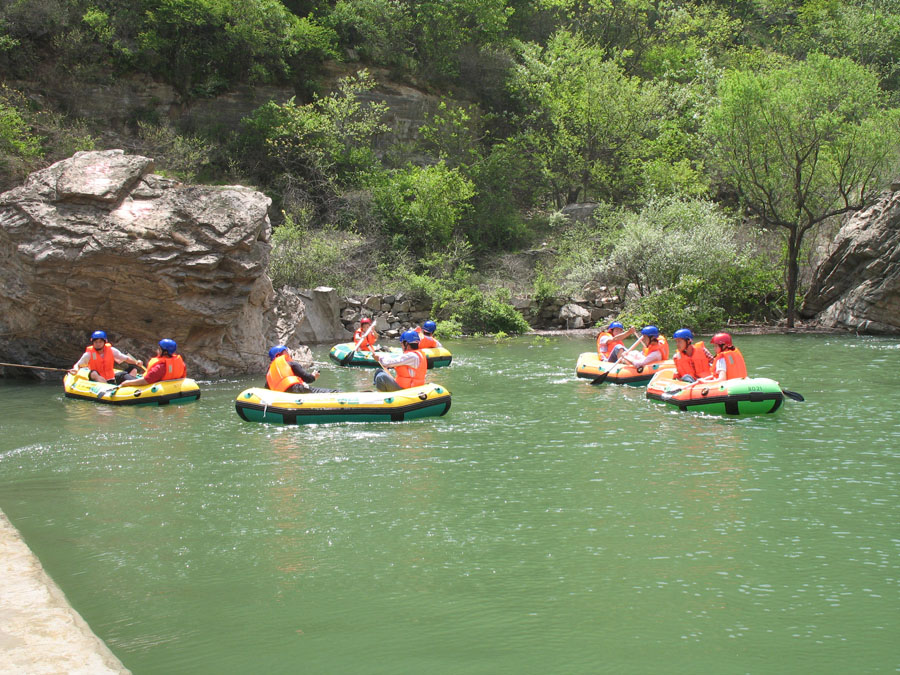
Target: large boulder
x,y
857,287
97,241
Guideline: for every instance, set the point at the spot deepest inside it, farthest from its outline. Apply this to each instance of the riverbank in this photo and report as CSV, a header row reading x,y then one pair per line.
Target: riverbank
x,y
39,631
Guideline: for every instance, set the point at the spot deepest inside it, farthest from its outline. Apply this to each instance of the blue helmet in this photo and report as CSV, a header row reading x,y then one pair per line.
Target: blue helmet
x,y
275,351
616,324
98,335
429,326
410,336
168,346
650,331
683,334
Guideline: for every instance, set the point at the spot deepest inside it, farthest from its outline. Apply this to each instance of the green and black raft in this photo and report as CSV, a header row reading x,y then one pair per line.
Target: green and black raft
x,y
437,357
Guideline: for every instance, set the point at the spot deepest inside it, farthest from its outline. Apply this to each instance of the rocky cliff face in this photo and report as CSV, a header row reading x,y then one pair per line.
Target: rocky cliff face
x,y
97,241
857,287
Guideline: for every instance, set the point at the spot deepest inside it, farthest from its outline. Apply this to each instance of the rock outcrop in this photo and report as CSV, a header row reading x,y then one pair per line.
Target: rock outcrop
x,y
97,241
857,287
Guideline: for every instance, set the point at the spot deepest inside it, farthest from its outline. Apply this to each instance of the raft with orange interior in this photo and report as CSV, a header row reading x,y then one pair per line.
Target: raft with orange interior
x,y
735,397
591,367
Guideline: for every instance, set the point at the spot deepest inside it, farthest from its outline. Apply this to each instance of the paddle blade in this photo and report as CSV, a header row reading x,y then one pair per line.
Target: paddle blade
x,y
600,379
792,394
347,359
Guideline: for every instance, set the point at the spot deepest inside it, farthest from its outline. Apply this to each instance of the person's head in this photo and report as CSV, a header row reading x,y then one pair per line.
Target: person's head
x,y
167,347
365,322
615,328
683,338
649,334
276,350
722,341
429,327
409,339
98,339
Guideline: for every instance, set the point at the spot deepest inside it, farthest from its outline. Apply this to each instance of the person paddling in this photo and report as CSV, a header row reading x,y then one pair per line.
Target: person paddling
x,y
691,359
289,376
652,352
410,366
101,357
166,365
610,343
426,341
367,343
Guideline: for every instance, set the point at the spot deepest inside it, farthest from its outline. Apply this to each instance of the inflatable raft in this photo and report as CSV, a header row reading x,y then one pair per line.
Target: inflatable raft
x,y
437,357
589,366
159,393
741,396
265,405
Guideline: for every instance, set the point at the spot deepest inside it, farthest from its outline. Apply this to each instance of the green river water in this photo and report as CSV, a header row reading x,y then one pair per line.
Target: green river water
x,y
542,526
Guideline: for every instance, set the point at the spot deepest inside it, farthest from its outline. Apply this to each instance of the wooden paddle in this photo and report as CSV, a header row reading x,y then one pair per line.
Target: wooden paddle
x,y
344,361
22,365
605,374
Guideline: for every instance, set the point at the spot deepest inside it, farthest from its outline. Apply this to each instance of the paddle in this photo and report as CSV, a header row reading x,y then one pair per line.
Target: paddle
x,y
792,394
605,374
344,361
22,365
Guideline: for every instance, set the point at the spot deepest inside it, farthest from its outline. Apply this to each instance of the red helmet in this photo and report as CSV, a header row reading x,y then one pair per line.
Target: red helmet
x,y
364,320
723,339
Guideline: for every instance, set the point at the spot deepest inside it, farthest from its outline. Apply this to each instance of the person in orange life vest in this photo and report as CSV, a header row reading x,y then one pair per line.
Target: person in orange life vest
x,y
101,357
691,360
410,366
425,333
368,342
728,362
166,365
652,352
289,376
609,341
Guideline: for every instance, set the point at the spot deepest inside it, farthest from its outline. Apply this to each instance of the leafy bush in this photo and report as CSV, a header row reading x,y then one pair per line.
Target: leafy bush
x,y
305,258
422,205
480,312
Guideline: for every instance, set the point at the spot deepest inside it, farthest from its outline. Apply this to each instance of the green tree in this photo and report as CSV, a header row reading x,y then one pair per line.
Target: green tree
x,y
325,144
588,122
803,143
422,205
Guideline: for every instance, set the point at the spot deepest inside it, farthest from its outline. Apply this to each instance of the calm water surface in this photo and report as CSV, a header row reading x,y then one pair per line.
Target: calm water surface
x,y
542,526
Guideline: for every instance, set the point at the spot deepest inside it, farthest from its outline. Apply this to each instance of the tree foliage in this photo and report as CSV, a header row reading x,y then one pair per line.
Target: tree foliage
x,y
804,142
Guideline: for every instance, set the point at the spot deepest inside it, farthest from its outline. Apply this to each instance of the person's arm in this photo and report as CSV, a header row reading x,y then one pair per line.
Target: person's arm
x,y
122,357
302,373
405,359
152,376
81,363
642,360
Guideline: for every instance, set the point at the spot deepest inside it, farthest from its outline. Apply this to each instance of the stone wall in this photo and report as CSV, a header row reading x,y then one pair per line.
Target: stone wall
x,y
393,313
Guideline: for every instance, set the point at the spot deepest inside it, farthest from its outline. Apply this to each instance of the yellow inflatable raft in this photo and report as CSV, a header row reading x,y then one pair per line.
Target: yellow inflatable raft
x,y
159,393
589,366
265,405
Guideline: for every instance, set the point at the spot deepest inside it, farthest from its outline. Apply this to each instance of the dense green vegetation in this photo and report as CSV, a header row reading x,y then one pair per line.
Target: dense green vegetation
x,y
715,137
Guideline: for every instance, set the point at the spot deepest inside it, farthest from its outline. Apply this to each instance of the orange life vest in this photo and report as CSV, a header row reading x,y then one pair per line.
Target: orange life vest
x,y
280,376
695,365
665,346
175,369
368,343
427,342
600,351
656,347
734,363
408,377
103,363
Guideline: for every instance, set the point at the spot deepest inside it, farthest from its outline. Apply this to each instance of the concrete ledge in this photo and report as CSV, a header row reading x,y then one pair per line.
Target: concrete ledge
x,y
39,630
